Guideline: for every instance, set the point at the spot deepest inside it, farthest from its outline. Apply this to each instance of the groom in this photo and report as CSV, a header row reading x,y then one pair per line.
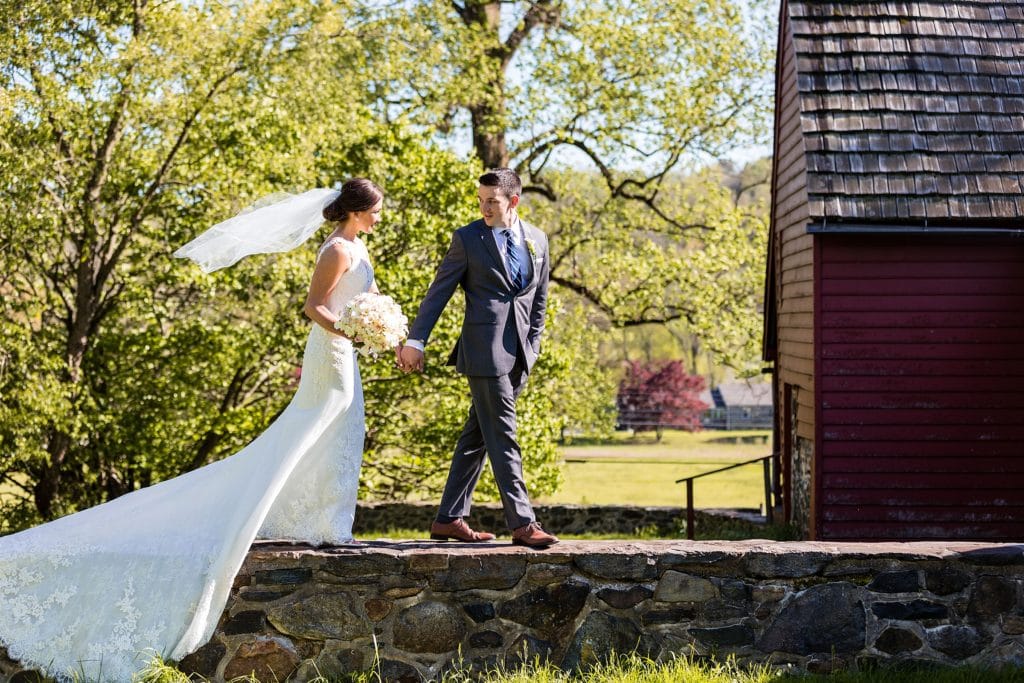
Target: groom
x,y
501,263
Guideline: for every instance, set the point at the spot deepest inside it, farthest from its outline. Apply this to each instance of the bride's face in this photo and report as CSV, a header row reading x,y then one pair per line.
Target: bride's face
x,y
367,219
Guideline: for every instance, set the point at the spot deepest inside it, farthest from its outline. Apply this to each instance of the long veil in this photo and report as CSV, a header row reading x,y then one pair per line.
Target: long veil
x,y
276,223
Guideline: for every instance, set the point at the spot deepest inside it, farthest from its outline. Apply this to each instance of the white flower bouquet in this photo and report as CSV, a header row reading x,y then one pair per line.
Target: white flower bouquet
x,y
374,322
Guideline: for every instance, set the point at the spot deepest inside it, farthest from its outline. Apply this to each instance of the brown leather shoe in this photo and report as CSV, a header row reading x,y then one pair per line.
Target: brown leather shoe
x,y
458,531
532,536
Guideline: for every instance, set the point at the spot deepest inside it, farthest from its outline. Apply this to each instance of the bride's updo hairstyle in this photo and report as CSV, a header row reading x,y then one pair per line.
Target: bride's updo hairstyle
x,y
357,194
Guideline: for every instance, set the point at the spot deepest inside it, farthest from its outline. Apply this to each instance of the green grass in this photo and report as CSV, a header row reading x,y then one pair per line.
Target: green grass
x,y
419,534
710,444
635,669
723,529
637,471
628,470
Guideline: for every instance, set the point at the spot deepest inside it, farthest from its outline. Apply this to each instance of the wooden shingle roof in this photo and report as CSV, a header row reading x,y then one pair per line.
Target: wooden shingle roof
x,y
912,112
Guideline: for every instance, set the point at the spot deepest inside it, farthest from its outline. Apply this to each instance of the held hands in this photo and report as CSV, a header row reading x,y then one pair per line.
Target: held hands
x,y
408,359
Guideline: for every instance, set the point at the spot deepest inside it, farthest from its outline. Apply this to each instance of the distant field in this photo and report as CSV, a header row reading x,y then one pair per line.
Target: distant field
x,y
631,471
637,471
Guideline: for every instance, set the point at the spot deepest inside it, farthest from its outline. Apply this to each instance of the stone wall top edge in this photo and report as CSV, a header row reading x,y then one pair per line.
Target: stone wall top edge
x,y
970,553
540,506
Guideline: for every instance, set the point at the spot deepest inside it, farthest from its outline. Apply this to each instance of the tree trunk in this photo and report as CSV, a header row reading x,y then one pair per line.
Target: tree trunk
x,y
47,488
488,112
488,138
48,483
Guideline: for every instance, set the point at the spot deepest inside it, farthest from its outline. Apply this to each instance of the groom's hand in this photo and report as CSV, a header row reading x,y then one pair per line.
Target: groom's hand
x,y
410,358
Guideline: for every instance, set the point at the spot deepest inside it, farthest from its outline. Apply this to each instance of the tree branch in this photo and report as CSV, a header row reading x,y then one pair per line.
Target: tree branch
x,y
114,255
110,139
462,11
543,12
115,127
542,188
615,316
58,131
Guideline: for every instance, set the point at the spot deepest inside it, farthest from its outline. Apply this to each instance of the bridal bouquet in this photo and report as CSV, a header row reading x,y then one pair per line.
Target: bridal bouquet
x,y
374,321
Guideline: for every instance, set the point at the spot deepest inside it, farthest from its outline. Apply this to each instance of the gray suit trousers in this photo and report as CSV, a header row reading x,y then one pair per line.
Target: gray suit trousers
x,y
490,431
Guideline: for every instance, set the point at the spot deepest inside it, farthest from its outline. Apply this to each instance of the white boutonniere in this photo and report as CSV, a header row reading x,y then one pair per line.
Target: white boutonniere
x,y
531,247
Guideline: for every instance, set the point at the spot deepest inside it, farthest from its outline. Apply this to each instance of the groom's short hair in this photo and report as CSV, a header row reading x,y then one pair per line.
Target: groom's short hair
x,y
505,179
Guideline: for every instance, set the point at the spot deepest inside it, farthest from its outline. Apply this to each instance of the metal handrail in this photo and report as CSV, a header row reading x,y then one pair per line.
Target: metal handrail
x,y
769,515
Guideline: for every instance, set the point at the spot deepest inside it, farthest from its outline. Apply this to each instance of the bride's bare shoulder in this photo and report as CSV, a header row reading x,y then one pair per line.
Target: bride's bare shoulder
x,y
336,246
334,256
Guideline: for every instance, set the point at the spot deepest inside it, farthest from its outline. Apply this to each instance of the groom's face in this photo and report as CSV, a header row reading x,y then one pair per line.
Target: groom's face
x,y
496,208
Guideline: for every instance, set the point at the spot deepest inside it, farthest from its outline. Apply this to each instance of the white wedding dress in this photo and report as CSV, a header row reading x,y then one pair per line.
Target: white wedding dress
x,y
95,594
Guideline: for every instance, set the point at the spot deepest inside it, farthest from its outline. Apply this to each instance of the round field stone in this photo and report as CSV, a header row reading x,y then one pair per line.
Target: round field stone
x,y
378,608
526,649
429,627
946,581
548,608
204,661
319,617
599,637
896,582
822,619
678,587
480,611
959,642
625,598
395,671
489,639
896,640
267,659
992,595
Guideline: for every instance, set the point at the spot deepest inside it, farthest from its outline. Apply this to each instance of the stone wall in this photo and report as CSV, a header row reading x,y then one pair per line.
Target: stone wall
x,y
803,456
423,608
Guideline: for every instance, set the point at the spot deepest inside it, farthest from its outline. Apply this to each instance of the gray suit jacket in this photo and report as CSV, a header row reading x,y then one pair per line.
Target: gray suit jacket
x,y
499,323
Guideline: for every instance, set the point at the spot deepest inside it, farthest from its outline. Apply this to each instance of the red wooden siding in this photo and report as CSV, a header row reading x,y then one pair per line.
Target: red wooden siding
x,y
792,246
921,387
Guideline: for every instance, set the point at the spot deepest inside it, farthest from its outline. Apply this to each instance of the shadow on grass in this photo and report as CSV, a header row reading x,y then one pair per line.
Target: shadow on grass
x,y
715,528
643,439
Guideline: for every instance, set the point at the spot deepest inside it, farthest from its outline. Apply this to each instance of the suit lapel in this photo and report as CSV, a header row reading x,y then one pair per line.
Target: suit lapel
x,y
487,237
532,268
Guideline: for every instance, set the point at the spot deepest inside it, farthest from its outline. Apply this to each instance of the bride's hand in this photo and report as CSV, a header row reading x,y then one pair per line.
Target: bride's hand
x,y
400,362
410,358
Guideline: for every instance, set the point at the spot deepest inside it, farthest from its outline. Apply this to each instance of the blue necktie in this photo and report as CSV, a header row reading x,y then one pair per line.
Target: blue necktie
x,y
512,257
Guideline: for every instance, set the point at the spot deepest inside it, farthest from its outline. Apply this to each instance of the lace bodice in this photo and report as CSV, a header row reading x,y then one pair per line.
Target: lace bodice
x,y
359,276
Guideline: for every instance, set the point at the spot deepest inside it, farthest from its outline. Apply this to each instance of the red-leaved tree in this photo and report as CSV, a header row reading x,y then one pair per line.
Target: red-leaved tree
x,y
653,396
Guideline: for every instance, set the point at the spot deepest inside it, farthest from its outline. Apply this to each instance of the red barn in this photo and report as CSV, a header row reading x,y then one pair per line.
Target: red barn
x,y
895,292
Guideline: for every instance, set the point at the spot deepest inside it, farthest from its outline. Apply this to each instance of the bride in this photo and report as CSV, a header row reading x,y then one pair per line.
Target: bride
x,y
93,595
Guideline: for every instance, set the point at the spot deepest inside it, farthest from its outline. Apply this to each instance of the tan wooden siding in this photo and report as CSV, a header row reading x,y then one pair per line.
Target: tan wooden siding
x,y
793,247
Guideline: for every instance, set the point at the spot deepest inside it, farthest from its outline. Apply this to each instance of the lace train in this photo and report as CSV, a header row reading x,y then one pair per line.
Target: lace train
x,y
93,595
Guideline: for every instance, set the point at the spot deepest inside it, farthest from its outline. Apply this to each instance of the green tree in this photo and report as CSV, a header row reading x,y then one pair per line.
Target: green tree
x,y
119,139
120,366
608,109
